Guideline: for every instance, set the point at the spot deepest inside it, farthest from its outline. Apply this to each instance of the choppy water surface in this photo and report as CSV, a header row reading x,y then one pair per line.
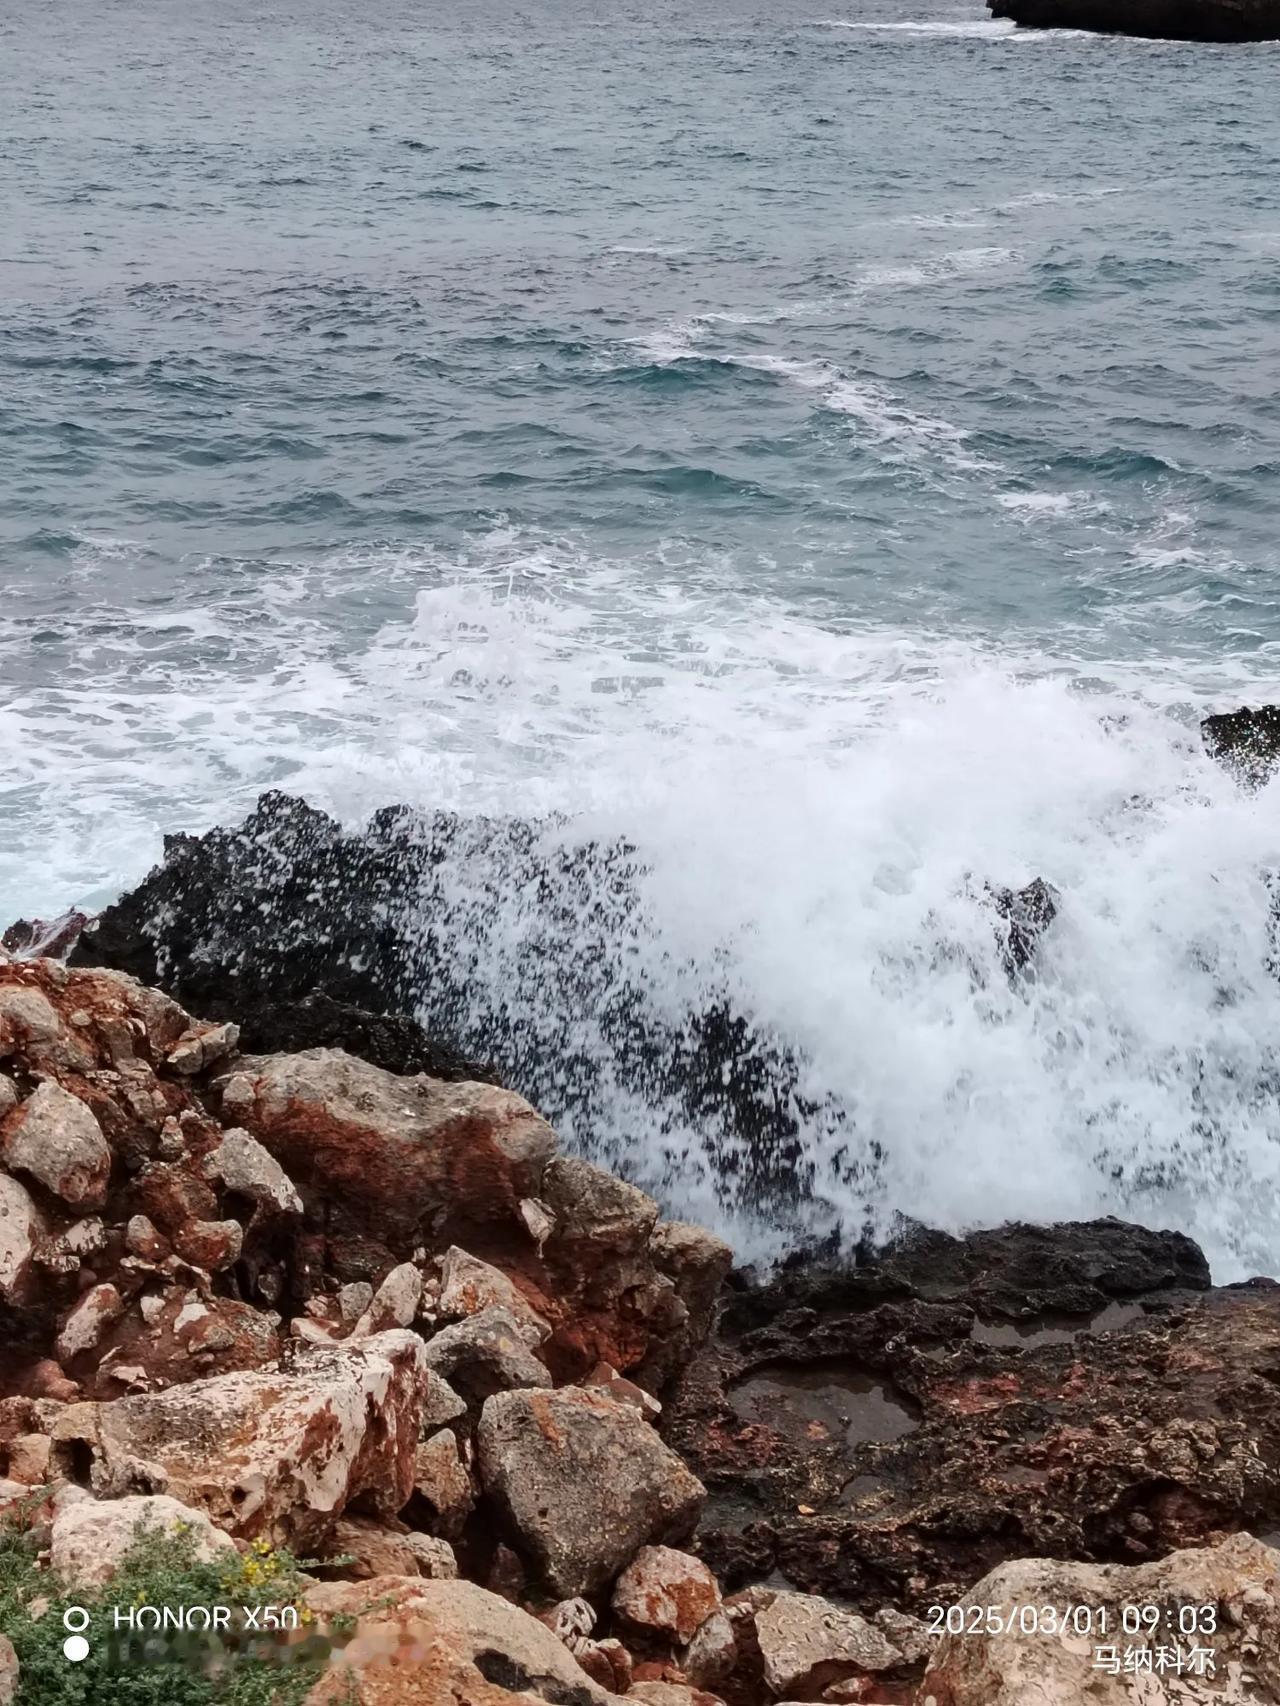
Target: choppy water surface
x,y
838,449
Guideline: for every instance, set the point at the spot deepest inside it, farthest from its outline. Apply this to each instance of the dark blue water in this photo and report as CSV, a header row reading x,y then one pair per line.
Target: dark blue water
x,y
838,445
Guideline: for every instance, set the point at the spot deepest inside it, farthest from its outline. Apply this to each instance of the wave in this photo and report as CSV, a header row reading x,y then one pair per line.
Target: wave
x,y
818,805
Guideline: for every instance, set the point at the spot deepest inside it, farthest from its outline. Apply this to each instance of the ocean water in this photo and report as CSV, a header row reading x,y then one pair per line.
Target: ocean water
x,y
836,448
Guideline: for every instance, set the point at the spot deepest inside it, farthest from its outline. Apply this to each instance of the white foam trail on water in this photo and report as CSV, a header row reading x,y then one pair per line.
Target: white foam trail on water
x,y
906,431
981,28
818,810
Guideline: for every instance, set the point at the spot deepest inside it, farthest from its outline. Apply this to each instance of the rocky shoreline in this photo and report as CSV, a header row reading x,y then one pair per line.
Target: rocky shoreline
x,y
1163,20
323,1282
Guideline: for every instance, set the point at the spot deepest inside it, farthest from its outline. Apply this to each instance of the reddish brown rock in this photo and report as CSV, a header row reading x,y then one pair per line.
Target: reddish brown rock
x,y
397,1149
279,1453
666,1591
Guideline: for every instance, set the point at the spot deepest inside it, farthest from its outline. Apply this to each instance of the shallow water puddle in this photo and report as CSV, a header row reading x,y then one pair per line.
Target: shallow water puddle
x,y
1054,1329
828,1400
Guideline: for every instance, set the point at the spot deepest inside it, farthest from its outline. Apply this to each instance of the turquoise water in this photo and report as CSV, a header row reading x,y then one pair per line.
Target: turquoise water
x,y
836,445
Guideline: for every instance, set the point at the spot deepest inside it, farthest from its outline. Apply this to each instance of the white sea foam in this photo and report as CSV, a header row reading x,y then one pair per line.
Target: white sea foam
x,y
981,28
818,809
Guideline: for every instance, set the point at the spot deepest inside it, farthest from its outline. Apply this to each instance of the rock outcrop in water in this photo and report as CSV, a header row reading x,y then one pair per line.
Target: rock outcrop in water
x,y
519,953
1247,741
1171,20
541,1446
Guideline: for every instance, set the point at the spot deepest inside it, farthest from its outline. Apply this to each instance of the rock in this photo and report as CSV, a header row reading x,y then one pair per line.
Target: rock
x,y
210,1244
468,1286
441,1481
394,1304
250,923
910,1635
278,1454
27,1019
242,1165
8,1096
885,1432
397,1150
697,1263
435,1557
179,1336
99,1308
56,1139
572,1621
89,1539
422,1643
142,1240
1239,1580
369,1548
669,1694
1247,741
22,1227
712,1654
1171,20
353,1300
583,1482
28,1459
607,1663
201,1047
607,1380
1026,914
485,1354
807,1644
592,1207
9,1672
443,1405
666,1591
40,938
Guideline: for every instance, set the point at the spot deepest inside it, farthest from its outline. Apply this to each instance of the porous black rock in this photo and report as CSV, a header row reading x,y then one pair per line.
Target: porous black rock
x,y
1247,741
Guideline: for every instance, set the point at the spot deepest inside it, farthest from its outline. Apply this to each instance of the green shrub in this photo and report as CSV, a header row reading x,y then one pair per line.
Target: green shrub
x,y
160,1569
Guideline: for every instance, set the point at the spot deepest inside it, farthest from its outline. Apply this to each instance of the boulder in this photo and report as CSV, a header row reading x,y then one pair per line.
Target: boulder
x,y
245,1167
394,1304
398,1150
369,1548
90,1539
435,1558
422,1643
484,1354
468,1286
56,1139
1222,1601
441,1481
273,1453
807,1644
201,1047
22,1227
582,1482
592,1207
667,1592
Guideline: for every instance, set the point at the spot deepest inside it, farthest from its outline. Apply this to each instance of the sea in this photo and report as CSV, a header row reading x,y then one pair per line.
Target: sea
x,y
833,446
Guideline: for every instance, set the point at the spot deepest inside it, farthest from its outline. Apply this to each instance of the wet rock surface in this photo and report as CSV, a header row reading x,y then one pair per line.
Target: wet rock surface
x,y
887,1434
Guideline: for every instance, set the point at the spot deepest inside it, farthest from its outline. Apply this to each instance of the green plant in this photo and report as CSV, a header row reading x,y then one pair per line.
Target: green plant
x,y
235,1667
